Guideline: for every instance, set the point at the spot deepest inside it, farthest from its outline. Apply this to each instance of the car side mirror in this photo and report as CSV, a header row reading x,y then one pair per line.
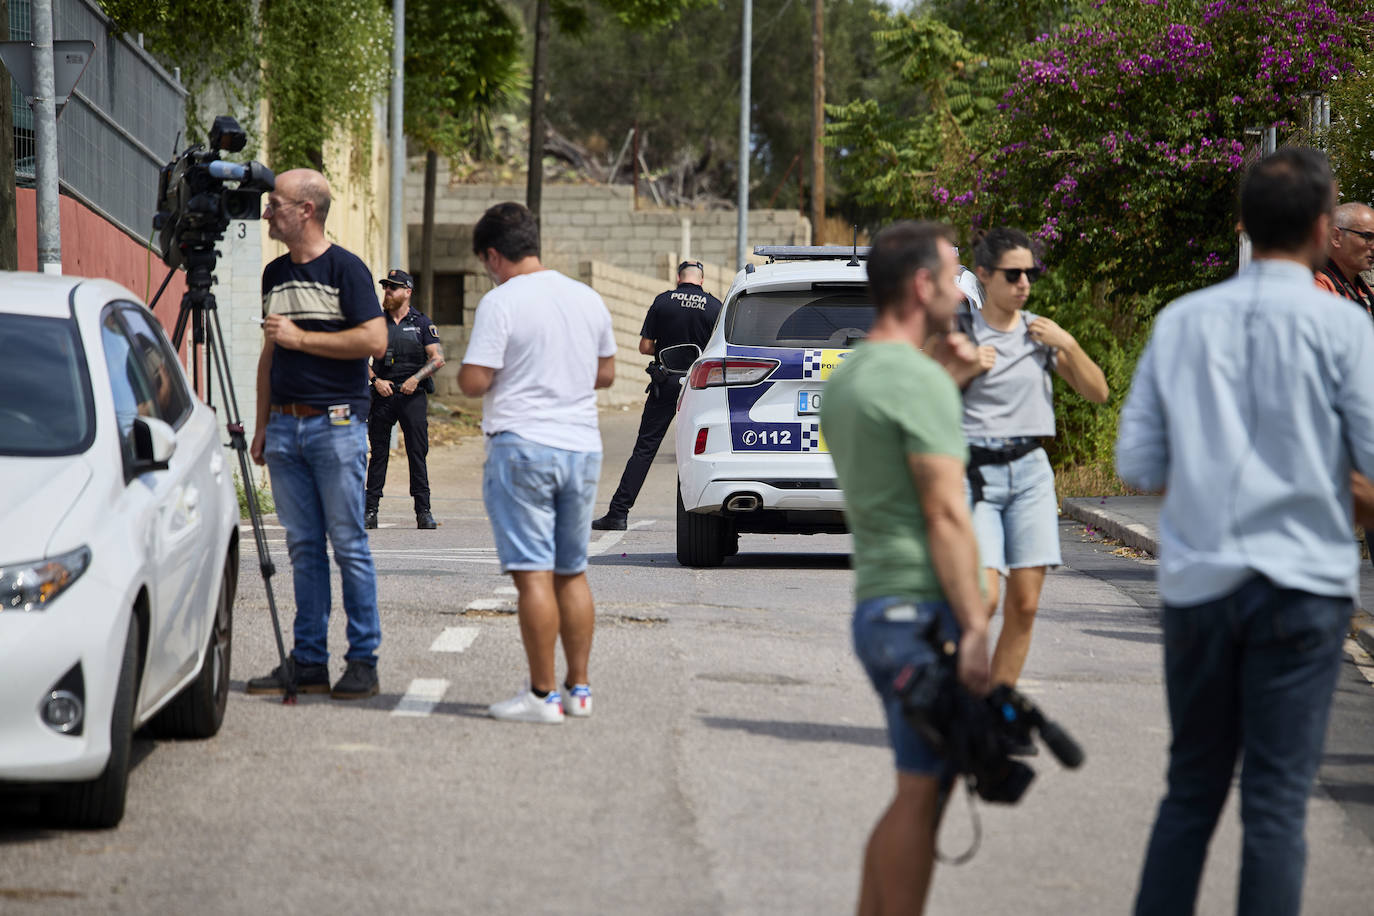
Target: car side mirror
x,y
679,357
154,443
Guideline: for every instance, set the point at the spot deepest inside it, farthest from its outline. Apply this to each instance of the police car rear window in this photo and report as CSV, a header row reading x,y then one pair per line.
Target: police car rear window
x,y
799,318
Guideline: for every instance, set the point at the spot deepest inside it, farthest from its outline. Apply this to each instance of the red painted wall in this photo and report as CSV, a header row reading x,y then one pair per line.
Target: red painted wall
x,y
92,247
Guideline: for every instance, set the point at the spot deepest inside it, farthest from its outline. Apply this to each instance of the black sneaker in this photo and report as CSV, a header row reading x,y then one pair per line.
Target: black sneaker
x,y
370,518
609,522
308,678
359,682
425,520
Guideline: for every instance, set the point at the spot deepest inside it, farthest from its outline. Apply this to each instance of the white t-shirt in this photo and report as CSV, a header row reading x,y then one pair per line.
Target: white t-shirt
x,y
543,334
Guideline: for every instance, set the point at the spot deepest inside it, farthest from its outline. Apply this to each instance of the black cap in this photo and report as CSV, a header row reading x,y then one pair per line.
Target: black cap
x,y
397,278
686,264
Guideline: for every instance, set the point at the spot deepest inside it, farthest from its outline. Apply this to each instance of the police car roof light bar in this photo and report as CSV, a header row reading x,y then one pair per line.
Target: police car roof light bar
x,y
811,252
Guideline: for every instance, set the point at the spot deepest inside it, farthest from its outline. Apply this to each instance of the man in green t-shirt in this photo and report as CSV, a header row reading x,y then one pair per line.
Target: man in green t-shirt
x,y
892,418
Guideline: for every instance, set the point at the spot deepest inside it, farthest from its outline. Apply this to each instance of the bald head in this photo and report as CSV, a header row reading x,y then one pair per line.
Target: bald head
x,y
1352,251
307,185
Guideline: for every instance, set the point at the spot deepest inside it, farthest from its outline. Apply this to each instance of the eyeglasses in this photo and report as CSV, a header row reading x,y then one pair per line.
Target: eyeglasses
x,y
1013,274
1367,236
278,204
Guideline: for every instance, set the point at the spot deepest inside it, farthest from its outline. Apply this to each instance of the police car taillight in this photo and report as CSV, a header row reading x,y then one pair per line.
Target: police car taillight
x,y
700,447
735,370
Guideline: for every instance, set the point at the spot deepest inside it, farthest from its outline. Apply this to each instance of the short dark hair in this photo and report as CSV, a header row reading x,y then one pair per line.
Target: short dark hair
x,y
899,251
510,229
1283,195
997,242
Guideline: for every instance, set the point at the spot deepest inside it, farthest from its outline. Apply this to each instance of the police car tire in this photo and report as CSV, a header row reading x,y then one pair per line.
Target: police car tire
x,y
700,538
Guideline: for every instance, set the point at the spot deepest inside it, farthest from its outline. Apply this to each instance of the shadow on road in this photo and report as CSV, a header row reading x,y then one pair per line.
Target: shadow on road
x,y
1153,638
743,560
803,731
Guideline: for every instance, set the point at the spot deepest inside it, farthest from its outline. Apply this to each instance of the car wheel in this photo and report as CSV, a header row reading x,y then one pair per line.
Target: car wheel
x,y
198,711
99,803
700,538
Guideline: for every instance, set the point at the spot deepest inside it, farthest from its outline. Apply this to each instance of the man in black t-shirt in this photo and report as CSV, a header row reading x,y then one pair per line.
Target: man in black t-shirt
x,y
682,315
400,380
321,323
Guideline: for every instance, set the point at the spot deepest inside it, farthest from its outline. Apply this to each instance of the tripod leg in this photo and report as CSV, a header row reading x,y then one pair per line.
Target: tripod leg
x,y
217,356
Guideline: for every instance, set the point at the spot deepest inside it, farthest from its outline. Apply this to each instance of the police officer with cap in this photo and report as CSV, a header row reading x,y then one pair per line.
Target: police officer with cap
x,y
680,316
400,380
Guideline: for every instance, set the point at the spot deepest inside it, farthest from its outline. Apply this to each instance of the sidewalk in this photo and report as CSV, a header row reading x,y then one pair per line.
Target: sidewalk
x,y
1134,520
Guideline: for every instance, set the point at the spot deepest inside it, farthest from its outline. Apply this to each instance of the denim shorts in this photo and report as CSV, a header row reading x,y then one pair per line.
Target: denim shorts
x,y
889,634
540,500
1017,520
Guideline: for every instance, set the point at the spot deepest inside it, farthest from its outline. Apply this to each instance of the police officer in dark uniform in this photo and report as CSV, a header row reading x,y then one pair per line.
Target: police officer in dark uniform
x,y
400,380
682,315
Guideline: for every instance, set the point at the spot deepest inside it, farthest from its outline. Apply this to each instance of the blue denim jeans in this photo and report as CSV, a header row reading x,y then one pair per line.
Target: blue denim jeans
x,y
1252,672
319,483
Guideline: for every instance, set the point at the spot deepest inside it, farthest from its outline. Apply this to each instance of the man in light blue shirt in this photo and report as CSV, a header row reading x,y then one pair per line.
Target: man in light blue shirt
x,y
1251,405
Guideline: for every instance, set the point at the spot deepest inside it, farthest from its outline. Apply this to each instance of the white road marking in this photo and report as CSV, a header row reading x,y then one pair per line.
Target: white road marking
x,y
248,528
611,538
507,590
424,694
454,639
1362,661
491,604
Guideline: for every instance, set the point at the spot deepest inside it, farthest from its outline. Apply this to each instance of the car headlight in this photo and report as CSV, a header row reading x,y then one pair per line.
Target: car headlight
x,y
32,586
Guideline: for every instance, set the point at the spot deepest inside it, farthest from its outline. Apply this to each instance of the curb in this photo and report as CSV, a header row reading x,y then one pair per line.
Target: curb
x,y
1131,533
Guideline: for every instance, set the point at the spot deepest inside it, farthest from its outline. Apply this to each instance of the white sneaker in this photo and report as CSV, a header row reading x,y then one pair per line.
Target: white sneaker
x,y
579,701
526,707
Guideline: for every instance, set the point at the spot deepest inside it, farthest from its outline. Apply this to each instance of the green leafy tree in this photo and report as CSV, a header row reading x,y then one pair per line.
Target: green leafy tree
x,y
462,65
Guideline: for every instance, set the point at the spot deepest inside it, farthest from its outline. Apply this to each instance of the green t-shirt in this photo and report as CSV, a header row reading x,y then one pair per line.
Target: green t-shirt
x,y
888,401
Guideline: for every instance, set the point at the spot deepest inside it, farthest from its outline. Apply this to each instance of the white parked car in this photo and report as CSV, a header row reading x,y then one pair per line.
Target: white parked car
x,y
750,455
118,544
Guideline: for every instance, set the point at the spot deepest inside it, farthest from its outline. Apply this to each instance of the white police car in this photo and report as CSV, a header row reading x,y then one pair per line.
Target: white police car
x,y
118,544
750,455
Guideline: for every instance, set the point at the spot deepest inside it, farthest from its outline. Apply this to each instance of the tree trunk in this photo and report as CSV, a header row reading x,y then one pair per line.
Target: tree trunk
x,y
817,121
9,225
427,236
534,182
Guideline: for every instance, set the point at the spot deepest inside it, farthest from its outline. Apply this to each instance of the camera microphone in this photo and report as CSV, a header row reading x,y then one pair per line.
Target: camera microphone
x,y
231,171
1064,748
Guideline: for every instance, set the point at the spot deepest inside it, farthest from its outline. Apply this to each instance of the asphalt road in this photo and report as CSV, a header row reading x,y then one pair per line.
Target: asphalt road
x,y
735,762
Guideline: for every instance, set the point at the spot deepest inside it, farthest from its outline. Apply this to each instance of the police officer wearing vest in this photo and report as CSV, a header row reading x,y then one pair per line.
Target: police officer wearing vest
x,y
400,380
680,316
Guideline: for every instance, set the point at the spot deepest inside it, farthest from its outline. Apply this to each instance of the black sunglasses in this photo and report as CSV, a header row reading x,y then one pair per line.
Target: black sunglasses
x,y
1367,236
1013,274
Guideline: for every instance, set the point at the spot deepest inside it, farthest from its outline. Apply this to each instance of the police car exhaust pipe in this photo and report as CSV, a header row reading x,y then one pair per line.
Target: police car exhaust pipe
x,y
742,502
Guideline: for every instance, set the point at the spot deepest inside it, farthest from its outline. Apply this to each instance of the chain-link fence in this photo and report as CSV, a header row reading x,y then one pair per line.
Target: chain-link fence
x,y
119,126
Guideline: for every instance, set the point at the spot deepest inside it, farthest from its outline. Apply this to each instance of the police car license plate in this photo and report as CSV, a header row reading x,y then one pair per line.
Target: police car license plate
x,y
808,402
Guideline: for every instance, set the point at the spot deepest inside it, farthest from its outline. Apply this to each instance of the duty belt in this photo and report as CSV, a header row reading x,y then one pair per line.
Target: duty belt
x,y
981,457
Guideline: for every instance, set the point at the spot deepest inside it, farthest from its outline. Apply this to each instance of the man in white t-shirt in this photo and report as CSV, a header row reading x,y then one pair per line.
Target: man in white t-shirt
x,y
541,345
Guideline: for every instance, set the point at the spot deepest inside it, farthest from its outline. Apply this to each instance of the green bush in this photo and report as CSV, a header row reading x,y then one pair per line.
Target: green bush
x,y
265,502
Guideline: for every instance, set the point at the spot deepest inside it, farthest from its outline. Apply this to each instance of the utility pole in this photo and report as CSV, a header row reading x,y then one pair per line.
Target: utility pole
x,y
746,49
9,223
817,119
45,141
395,212
534,176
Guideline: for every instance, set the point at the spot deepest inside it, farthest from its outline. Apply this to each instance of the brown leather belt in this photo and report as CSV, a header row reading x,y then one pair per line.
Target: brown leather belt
x,y
298,410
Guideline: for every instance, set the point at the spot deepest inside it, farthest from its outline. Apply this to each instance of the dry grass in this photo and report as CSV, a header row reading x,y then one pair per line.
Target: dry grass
x,y
1089,480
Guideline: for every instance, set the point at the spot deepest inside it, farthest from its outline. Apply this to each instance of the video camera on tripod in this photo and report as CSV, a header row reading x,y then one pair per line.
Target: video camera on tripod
x,y
194,206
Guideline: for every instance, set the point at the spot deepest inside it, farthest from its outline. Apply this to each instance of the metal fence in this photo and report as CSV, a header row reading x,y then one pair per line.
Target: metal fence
x,y
117,129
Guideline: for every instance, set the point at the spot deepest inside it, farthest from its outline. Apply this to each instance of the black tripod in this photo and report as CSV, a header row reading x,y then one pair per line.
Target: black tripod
x,y
198,303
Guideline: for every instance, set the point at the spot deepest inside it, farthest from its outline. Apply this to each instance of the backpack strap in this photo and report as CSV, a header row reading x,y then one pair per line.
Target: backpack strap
x,y
1048,360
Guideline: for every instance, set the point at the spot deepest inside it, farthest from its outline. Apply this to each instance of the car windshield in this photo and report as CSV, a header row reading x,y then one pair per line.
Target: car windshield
x,y
800,318
45,391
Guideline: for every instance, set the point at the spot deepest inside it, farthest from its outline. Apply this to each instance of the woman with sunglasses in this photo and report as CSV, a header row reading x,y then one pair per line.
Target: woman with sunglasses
x,y
1008,409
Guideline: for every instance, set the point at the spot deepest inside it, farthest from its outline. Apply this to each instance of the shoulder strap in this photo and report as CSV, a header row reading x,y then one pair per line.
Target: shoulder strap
x,y
963,322
1048,359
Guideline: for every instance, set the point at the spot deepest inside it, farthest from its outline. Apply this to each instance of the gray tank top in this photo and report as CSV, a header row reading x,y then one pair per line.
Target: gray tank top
x,y
1016,396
